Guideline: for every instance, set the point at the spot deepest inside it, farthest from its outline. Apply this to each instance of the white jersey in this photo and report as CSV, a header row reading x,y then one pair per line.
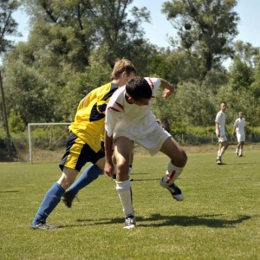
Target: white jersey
x,y
221,120
240,124
136,120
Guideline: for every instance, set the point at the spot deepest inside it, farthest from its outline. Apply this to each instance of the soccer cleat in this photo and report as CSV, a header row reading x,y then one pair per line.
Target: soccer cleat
x,y
174,190
67,198
130,222
219,162
240,155
43,226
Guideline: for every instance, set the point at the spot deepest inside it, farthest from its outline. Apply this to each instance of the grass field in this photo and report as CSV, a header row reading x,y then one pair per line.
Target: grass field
x,y
219,218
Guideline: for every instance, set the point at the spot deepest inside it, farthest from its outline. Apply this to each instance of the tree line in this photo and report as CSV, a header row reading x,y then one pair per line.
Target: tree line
x,y
72,47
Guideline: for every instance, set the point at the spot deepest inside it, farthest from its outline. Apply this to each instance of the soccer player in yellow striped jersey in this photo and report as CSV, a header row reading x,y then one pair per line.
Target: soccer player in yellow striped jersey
x,y
83,145
88,124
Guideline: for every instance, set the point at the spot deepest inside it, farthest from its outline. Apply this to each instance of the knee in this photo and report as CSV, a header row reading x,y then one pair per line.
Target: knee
x,y
66,180
181,160
184,158
65,183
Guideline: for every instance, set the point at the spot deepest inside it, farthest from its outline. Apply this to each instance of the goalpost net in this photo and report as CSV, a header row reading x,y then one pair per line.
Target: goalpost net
x,y
47,141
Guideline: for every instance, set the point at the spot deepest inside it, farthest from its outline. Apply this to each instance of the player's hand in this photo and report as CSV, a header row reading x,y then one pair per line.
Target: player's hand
x,y
167,93
109,169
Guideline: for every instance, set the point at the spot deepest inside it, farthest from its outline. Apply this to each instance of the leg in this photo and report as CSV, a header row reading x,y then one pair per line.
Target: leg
x,y
178,160
223,145
122,150
90,174
237,148
53,197
131,159
241,149
176,153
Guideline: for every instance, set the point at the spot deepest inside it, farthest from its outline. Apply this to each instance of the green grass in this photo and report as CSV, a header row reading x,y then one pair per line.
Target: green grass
x,y
219,218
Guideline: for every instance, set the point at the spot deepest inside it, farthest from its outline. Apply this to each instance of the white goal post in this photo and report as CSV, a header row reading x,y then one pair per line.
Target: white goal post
x,y
30,135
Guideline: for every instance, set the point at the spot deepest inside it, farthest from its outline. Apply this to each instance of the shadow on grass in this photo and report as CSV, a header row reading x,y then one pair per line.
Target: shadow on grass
x,y
202,220
136,179
8,191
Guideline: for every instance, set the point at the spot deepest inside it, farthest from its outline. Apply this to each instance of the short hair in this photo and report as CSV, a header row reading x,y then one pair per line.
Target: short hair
x,y
138,88
121,66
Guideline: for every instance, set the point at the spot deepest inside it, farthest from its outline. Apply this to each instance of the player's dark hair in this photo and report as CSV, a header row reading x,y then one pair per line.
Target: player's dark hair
x,y
138,88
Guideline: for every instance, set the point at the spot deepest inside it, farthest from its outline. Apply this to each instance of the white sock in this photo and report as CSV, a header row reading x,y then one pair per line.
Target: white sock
x,y
240,151
236,151
125,194
222,151
171,174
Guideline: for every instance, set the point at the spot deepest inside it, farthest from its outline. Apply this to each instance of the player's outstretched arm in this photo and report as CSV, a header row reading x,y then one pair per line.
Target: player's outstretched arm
x,y
168,88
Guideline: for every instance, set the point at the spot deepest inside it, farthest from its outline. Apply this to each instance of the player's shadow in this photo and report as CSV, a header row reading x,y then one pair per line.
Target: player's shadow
x,y
9,191
212,221
159,220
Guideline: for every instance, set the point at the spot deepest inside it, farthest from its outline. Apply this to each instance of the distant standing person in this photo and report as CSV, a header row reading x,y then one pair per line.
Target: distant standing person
x,y
239,128
220,123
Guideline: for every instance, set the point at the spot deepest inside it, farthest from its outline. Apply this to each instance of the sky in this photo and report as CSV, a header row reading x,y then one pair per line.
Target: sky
x,y
157,31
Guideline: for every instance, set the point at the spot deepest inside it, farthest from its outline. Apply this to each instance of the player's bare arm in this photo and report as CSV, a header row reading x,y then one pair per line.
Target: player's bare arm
x,y
167,87
217,129
109,167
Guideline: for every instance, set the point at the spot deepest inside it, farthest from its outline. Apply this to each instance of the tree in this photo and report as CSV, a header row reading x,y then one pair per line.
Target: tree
x,y
246,53
71,49
71,30
8,27
206,29
241,75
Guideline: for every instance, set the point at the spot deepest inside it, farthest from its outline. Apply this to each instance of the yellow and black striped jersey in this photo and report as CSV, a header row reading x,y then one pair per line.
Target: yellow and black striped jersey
x,y
89,120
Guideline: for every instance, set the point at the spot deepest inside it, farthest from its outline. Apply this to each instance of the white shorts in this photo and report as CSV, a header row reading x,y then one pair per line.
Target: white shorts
x,y
222,139
152,141
241,137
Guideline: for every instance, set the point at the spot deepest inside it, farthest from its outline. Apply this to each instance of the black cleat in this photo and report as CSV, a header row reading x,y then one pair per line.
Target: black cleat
x,y
67,198
174,190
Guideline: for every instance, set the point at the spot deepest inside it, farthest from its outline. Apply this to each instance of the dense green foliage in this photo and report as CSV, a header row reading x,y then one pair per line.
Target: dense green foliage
x,y
73,45
206,30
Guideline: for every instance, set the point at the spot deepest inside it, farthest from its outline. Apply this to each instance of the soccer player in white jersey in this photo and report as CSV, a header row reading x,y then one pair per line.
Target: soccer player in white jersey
x,y
220,123
129,120
239,128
